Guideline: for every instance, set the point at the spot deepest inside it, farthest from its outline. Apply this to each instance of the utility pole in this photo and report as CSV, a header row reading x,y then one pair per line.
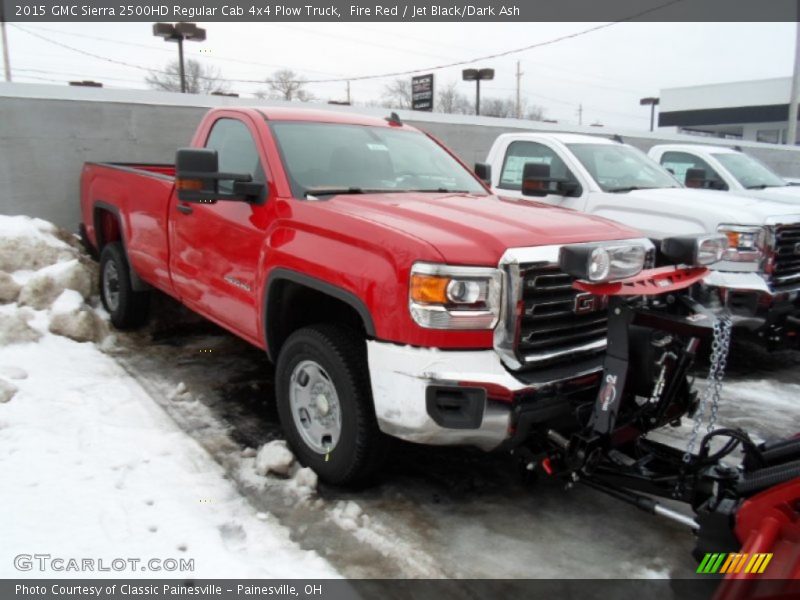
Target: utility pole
x,y
348,92
519,102
6,60
791,137
580,114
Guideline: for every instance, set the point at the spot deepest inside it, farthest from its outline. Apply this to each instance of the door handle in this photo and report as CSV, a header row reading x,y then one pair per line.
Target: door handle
x,y
187,210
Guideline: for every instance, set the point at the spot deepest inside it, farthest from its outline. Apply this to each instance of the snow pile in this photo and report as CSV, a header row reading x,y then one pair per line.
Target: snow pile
x,y
274,457
128,481
7,390
43,269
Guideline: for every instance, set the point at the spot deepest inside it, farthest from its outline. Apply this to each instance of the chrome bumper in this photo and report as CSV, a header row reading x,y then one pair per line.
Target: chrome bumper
x,y
401,376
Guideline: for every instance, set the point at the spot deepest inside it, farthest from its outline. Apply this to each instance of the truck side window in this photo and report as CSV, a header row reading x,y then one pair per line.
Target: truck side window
x,y
680,162
236,150
519,153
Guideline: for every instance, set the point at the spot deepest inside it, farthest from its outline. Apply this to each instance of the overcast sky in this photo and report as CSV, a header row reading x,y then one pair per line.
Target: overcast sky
x,y
606,71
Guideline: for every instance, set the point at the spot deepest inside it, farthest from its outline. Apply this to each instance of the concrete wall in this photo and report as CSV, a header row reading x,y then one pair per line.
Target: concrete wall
x,y
48,132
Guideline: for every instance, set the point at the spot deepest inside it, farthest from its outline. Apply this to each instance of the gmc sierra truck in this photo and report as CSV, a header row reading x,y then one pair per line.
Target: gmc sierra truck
x,y
375,269
725,169
758,278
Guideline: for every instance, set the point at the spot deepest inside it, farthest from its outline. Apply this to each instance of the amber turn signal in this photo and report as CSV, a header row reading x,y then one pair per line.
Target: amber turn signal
x,y
429,289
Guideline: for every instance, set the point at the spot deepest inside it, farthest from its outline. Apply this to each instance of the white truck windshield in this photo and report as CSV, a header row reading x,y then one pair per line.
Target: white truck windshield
x,y
618,168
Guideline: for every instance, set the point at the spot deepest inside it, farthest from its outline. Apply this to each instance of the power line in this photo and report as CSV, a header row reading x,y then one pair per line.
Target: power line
x,y
382,75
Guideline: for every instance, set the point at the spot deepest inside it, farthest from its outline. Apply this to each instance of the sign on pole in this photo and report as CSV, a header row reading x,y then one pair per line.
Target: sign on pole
x,y
422,92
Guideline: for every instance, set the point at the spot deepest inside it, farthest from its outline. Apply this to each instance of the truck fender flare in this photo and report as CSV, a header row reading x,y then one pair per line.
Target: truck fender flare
x,y
349,298
137,283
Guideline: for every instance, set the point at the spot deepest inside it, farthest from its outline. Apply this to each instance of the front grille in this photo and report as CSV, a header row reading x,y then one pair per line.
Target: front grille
x,y
556,325
786,265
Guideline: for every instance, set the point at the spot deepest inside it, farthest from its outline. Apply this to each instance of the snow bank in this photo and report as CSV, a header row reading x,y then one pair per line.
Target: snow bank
x,y
41,268
7,390
94,468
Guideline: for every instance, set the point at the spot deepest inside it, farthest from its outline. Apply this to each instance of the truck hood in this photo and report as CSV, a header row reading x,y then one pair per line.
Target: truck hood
x,y
722,207
789,194
477,230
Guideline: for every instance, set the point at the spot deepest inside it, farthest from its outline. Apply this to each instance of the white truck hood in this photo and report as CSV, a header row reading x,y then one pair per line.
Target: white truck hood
x,y
789,194
715,207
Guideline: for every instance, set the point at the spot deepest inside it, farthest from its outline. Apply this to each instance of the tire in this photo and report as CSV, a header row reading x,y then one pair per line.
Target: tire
x,y
332,361
128,309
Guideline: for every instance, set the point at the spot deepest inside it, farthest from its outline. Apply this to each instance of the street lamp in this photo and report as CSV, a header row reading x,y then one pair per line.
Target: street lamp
x,y
477,75
652,102
177,33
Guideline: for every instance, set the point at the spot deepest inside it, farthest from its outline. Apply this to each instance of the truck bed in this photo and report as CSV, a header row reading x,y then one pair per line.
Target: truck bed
x,y
139,194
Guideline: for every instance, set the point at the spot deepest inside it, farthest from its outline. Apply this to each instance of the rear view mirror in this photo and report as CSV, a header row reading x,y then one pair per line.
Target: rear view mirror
x,y
698,178
695,178
197,179
536,179
484,172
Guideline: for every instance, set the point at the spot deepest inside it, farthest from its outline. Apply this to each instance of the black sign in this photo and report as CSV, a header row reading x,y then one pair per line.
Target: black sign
x,y
422,92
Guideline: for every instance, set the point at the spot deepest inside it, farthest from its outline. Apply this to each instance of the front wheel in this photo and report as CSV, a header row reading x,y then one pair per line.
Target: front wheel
x,y
325,404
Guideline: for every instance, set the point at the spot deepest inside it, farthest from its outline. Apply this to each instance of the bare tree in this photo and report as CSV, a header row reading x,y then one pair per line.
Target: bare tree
x,y
200,79
397,94
285,84
506,108
450,100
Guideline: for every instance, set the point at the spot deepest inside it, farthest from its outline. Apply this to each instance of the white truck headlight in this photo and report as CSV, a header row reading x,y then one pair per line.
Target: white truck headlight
x,y
447,297
602,262
745,243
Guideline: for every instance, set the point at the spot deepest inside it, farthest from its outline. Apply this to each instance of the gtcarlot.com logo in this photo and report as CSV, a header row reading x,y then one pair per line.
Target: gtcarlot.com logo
x,y
58,564
725,563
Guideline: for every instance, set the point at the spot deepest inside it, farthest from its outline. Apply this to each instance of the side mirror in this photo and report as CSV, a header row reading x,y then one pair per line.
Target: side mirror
x,y
695,178
484,172
197,179
536,179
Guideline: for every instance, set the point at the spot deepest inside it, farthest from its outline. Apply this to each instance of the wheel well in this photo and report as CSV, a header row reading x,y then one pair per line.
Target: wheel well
x,y
292,305
106,228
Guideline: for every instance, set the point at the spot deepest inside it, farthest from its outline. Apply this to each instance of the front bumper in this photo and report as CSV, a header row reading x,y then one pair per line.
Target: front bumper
x,y
769,315
406,380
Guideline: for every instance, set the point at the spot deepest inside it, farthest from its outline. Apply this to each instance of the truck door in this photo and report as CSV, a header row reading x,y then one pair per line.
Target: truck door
x,y
216,248
520,152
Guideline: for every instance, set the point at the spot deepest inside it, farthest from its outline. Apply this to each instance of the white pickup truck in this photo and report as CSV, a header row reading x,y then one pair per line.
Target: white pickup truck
x,y
727,169
759,276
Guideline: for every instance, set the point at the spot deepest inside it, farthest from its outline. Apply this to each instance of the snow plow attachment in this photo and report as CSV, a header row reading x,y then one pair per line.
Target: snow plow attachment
x,y
746,516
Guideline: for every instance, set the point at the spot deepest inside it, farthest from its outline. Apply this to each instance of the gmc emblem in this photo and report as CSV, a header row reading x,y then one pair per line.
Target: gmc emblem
x,y
585,303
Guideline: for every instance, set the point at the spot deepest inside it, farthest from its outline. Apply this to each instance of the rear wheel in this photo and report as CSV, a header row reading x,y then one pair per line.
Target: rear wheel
x,y
325,404
128,308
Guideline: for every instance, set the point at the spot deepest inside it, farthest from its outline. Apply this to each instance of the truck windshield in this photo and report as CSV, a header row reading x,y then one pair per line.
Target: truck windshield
x,y
748,171
618,168
334,158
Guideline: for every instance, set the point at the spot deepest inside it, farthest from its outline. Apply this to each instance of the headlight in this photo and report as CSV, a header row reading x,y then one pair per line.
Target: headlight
x,y
694,249
602,262
745,243
445,297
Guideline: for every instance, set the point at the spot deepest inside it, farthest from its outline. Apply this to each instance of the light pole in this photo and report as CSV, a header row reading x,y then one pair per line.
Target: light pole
x,y
177,33
652,102
477,75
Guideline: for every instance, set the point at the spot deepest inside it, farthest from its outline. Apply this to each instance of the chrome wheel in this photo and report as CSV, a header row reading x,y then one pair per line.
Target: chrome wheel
x,y
111,285
315,407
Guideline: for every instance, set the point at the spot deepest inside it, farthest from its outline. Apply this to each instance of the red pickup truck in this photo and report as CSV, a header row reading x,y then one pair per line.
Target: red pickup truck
x,y
396,294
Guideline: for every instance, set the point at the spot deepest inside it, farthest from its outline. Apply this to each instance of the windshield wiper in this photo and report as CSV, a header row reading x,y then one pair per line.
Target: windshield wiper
x,y
762,186
333,191
632,188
